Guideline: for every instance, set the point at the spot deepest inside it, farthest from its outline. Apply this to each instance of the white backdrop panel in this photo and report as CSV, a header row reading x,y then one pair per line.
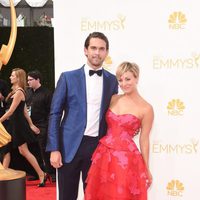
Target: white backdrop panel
x,y
168,54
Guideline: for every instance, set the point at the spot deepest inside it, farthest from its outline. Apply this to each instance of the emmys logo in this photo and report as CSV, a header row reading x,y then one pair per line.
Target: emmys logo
x,y
107,63
177,20
106,25
191,62
188,148
175,107
175,188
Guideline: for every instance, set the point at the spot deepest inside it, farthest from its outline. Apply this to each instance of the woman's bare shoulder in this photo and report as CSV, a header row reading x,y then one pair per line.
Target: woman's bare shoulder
x,y
19,92
146,106
115,98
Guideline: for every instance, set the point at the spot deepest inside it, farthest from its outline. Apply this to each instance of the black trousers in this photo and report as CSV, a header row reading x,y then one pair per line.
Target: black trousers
x,y
69,173
38,150
45,156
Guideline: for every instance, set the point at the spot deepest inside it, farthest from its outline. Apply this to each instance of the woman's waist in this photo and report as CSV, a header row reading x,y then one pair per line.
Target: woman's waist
x,y
118,143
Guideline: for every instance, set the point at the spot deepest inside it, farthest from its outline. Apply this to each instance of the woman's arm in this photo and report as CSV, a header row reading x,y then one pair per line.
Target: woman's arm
x,y
17,97
146,126
29,120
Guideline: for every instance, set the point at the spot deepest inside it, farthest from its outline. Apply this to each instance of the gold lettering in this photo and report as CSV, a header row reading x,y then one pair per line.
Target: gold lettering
x,y
189,148
164,63
174,63
156,148
163,148
170,63
118,24
195,145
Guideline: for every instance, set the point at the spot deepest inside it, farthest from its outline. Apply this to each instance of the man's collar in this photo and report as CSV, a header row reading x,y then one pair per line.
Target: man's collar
x,y
87,68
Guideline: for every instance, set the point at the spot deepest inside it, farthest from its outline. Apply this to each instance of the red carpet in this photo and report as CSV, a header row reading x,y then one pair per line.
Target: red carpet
x,y
40,193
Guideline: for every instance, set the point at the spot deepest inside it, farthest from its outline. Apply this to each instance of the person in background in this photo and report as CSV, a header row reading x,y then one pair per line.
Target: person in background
x,y
119,170
4,151
38,100
20,124
77,115
4,90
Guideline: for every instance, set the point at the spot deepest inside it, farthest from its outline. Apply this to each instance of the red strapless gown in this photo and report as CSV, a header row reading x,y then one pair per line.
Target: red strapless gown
x,y
118,171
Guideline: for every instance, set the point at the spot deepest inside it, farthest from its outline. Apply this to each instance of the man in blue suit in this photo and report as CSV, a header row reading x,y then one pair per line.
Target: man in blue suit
x,y
77,116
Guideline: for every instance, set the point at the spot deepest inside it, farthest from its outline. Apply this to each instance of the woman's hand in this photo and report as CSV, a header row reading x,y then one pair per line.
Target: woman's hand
x,y
35,129
150,178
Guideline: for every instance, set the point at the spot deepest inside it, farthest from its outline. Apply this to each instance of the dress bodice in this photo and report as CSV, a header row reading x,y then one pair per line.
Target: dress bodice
x,y
121,130
19,111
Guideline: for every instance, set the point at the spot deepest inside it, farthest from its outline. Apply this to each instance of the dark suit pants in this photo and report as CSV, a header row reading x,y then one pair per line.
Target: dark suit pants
x,y
69,173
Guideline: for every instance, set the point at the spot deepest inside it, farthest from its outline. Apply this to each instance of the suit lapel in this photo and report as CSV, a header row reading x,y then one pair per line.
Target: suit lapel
x,y
82,85
104,100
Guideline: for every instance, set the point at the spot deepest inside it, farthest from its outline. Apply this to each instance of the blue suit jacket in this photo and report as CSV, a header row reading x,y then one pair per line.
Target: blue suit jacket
x,y
68,115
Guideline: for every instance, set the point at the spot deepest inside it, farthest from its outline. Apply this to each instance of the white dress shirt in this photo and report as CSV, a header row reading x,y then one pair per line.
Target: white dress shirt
x,y
94,87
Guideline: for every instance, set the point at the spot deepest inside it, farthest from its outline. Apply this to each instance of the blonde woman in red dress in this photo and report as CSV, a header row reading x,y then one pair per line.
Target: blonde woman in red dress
x,y
119,170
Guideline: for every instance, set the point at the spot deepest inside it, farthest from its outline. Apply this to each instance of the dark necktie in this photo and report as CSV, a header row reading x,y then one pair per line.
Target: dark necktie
x,y
98,72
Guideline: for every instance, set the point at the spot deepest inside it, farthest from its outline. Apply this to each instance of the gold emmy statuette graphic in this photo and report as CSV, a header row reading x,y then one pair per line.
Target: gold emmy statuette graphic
x,y
6,50
6,174
12,182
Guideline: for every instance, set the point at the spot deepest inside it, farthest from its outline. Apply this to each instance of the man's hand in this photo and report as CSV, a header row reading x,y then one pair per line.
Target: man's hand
x,y
56,159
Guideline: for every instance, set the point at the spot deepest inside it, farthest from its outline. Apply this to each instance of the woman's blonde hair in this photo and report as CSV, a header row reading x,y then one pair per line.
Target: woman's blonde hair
x,y
21,75
127,67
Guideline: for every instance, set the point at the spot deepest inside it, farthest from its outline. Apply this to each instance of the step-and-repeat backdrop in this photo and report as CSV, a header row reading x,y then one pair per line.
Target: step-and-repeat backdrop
x,y
163,38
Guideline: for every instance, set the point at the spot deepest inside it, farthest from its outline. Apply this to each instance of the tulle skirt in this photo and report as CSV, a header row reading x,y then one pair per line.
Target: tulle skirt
x,y
116,175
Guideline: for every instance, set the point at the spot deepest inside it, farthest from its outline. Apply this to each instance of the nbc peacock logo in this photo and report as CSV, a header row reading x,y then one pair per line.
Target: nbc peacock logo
x,y
175,188
175,107
177,20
